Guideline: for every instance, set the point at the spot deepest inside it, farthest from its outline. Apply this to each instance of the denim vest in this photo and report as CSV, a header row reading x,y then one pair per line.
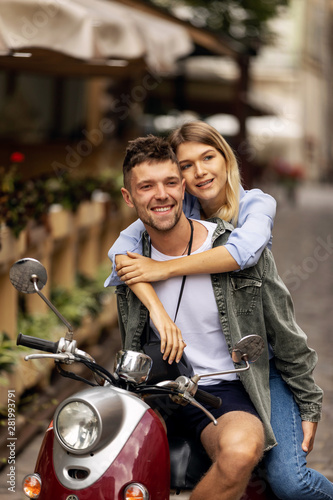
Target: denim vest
x,y
251,301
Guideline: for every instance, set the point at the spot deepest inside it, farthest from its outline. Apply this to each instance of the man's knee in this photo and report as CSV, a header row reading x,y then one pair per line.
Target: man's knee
x,y
240,451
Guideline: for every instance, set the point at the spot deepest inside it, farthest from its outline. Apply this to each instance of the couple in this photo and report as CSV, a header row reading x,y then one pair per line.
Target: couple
x,y
275,407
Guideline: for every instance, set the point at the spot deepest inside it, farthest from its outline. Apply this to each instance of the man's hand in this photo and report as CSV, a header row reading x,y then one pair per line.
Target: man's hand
x,y
172,343
134,268
309,432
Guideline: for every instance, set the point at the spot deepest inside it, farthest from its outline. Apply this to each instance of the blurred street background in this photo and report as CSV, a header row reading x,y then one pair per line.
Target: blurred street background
x,y
77,81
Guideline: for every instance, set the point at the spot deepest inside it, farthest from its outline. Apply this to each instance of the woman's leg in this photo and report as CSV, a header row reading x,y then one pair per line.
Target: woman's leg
x,y
286,466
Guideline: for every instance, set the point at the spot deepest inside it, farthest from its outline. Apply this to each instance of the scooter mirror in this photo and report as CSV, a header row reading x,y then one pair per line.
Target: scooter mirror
x,y
22,272
249,349
133,366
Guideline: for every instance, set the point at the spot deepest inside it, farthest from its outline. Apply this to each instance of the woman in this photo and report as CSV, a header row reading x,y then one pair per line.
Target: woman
x,y
211,173
252,211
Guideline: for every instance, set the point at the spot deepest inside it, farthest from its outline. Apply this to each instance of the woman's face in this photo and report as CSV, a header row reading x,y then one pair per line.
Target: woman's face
x,y
204,169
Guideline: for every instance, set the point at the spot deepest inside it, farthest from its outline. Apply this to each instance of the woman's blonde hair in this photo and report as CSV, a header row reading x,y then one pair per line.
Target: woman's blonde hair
x,y
198,131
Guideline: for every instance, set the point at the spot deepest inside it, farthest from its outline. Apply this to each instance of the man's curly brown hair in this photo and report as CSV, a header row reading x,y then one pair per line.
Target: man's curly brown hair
x,y
150,149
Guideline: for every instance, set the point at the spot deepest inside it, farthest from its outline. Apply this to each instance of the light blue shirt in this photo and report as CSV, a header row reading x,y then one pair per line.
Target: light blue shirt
x,y
246,242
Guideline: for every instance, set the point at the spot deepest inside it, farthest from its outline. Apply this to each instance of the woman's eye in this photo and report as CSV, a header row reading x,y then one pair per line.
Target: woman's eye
x,y
185,167
208,157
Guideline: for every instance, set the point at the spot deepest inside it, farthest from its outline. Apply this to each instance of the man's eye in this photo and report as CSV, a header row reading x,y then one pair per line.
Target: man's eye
x,y
145,187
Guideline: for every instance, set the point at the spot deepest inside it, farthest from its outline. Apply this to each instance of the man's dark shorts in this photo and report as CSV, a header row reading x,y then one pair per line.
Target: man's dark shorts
x,y
190,420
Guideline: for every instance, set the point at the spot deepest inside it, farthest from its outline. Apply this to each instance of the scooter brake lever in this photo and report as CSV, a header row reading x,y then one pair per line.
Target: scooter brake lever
x,y
186,398
66,357
194,402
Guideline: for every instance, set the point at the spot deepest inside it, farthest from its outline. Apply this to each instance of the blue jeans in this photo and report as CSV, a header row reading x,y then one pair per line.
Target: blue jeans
x,y
287,471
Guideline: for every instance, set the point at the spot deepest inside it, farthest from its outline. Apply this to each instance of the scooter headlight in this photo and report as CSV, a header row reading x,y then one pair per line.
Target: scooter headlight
x,y
88,420
78,426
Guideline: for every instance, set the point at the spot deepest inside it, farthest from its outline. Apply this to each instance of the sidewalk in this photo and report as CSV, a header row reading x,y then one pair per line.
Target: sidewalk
x,y
303,249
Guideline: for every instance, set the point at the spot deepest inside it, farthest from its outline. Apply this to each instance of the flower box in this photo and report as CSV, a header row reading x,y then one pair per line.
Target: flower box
x,y
90,213
61,222
11,248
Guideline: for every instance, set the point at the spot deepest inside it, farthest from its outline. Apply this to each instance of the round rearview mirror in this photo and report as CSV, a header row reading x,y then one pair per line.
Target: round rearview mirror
x,y
22,272
249,349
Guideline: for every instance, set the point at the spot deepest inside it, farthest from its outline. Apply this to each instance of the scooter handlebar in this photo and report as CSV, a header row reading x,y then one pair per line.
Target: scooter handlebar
x,y
36,343
206,398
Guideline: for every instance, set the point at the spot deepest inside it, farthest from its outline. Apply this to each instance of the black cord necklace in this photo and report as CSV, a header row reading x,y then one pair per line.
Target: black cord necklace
x,y
189,246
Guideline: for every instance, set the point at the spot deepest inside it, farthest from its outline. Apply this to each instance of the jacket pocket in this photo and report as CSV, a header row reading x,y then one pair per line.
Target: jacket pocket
x,y
245,292
122,304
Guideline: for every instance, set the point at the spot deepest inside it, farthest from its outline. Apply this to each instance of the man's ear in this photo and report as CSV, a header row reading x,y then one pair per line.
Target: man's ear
x,y
127,197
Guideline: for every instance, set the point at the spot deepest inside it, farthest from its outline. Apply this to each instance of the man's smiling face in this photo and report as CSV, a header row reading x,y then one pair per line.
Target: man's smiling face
x,y
157,192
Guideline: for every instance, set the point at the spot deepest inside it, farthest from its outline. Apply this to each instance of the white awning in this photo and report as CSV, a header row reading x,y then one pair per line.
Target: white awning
x,y
91,30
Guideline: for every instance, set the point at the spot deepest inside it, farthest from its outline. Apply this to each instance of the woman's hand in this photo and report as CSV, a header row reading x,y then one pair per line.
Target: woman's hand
x,y
309,432
134,268
172,343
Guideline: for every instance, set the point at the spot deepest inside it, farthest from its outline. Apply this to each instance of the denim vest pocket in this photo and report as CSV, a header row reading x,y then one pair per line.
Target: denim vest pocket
x,y
244,292
122,304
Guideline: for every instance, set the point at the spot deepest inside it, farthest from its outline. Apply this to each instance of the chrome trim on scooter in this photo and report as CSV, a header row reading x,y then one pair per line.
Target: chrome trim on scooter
x,y
133,410
108,413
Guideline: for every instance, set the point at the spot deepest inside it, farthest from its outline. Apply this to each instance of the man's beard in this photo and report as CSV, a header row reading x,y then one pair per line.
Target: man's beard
x,y
158,225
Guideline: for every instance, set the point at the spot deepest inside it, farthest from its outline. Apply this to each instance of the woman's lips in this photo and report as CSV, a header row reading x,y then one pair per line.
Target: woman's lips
x,y
204,183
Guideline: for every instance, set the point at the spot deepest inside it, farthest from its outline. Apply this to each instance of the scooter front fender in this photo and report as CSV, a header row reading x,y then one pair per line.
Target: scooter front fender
x,y
144,459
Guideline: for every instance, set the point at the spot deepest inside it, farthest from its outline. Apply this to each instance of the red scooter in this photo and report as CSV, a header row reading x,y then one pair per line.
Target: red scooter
x,y
106,442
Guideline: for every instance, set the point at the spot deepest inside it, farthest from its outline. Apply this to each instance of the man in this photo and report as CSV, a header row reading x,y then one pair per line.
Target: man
x,y
215,312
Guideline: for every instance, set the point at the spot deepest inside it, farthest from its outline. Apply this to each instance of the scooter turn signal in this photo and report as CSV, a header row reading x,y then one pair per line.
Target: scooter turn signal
x,y
137,491
32,485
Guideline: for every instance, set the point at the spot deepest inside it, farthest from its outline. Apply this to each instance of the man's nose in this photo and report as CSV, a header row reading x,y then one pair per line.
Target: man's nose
x,y
161,192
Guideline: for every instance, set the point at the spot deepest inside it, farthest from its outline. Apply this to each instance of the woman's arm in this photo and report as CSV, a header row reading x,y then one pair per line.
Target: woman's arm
x,y
255,224
129,239
135,268
243,249
172,344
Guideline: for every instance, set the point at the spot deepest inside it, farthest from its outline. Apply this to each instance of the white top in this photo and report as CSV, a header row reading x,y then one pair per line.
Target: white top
x,y
197,317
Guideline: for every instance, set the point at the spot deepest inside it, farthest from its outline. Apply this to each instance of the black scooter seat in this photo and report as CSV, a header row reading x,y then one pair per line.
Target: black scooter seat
x,y
188,462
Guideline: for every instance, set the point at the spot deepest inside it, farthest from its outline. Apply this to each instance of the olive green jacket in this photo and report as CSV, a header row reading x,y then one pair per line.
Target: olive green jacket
x,y
251,301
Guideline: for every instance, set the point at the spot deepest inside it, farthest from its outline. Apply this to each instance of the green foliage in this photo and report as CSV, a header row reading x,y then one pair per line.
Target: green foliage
x,y
23,200
46,326
9,354
86,298
77,303
244,20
